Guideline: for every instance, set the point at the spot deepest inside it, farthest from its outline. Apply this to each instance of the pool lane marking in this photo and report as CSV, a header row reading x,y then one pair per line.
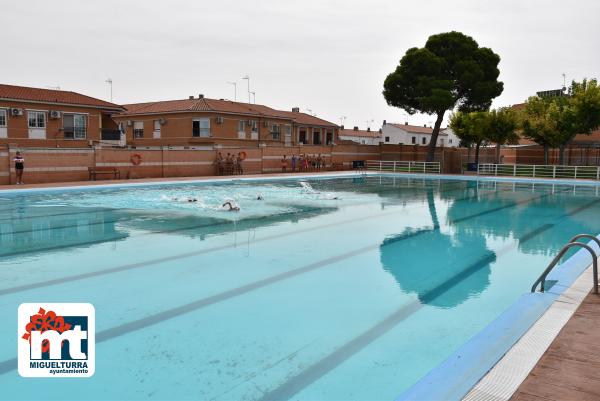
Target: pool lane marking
x,y
9,365
319,369
178,229
137,265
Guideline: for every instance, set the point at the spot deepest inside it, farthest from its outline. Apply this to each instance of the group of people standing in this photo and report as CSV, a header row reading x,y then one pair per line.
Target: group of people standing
x,y
302,162
231,164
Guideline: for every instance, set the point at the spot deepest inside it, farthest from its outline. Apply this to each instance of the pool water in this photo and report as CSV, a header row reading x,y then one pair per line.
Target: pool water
x,y
326,289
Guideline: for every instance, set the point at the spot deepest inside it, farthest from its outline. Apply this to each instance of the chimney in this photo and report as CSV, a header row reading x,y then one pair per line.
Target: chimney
x,y
355,128
368,129
295,109
201,96
424,125
406,123
190,97
384,122
341,127
380,131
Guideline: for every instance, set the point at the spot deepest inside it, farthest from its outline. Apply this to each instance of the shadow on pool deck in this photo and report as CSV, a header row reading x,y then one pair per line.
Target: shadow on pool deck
x,y
570,368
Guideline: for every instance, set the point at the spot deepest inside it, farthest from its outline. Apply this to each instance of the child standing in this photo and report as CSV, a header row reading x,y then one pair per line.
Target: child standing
x,y
19,167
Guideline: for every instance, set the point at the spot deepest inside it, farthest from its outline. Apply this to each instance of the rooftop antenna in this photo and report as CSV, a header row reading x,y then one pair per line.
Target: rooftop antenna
x,y
564,88
342,119
253,97
368,123
247,77
109,82
53,87
311,112
234,89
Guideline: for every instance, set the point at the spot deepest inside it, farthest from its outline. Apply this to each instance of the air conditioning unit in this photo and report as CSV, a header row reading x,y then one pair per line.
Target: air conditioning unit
x,y
219,120
129,123
54,114
16,112
162,121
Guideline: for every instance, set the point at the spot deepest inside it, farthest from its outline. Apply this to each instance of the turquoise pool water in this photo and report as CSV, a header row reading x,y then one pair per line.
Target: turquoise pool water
x,y
327,289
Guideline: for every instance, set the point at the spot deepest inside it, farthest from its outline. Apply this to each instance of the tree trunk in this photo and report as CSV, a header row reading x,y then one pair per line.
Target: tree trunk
x,y
546,150
497,153
434,136
432,210
561,155
477,153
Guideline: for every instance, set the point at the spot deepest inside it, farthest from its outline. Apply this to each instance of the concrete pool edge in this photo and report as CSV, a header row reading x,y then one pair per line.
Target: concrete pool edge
x,y
464,375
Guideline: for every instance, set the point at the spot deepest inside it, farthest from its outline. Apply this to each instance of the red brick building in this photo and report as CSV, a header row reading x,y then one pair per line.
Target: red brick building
x,y
200,121
33,117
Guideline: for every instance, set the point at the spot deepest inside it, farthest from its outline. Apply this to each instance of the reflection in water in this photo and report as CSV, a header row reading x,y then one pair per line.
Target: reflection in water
x,y
59,228
442,270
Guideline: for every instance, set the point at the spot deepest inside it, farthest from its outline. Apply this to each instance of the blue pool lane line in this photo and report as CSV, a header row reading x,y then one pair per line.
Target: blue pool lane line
x,y
458,374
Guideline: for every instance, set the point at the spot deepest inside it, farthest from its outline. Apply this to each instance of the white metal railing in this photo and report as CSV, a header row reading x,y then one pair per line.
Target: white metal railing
x,y
403,166
539,171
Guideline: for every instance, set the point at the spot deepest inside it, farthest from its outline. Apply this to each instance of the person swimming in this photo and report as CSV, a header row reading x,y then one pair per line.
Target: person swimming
x,y
232,206
260,197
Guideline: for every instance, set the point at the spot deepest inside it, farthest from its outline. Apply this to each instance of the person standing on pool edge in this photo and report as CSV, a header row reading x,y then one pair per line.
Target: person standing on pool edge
x,y
19,167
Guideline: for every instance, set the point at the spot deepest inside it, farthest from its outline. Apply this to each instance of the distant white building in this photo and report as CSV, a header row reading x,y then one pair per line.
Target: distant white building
x,y
405,134
363,137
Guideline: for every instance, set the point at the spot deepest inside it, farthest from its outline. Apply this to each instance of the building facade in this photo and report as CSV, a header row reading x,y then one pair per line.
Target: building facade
x,y
200,121
364,137
44,117
405,134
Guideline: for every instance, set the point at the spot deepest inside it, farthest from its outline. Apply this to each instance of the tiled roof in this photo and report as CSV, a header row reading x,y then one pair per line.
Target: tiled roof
x,y
413,128
223,106
24,93
359,133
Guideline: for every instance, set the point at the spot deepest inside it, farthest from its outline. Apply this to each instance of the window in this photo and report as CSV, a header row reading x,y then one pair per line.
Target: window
x,y
201,127
138,129
302,136
254,126
241,126
2,117
275,131
329,137
37,119
316,136
424,141
75,126
414,140
387,138
156,131
449,140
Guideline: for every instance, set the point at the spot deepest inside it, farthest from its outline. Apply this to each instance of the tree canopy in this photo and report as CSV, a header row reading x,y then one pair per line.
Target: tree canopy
x,y
450,71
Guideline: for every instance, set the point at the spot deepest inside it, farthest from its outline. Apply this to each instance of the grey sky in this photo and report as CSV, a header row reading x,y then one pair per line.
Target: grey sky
x,y
328,56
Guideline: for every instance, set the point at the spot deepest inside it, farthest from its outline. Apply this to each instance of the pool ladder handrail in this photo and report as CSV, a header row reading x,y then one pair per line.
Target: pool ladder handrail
x,y
572,243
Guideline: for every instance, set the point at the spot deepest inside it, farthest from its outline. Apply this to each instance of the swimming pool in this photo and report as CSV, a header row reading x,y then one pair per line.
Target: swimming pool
x,y
347,288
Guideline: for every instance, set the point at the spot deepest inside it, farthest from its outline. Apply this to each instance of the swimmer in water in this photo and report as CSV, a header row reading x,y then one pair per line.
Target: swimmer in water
x,y
232,206
260,197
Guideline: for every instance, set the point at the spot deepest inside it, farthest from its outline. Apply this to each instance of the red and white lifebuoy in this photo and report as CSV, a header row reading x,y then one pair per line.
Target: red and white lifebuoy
x,y
136,159
243,155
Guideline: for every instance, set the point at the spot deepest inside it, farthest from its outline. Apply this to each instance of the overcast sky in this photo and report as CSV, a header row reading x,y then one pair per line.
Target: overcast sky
x,y
327,56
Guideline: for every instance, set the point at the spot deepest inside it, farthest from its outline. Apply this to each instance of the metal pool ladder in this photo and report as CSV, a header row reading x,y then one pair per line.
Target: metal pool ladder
x,y
572,243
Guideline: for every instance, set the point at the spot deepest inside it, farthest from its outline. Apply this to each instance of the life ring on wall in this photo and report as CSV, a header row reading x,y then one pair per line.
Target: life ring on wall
x,y
243,155
136,159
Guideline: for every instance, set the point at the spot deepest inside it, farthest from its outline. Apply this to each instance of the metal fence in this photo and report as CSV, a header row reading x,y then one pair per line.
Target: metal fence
x,y
539,171
404,167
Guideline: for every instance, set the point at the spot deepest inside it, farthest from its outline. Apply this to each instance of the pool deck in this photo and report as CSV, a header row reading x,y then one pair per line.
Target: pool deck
x,y
570,368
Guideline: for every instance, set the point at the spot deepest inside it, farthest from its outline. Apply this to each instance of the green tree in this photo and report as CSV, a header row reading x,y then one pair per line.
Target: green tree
x,y
450,71
554,122
502,128
471,128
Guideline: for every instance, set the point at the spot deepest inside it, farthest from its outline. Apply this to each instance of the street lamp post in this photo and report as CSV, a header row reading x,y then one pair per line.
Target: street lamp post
x,y
247,77
234,89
